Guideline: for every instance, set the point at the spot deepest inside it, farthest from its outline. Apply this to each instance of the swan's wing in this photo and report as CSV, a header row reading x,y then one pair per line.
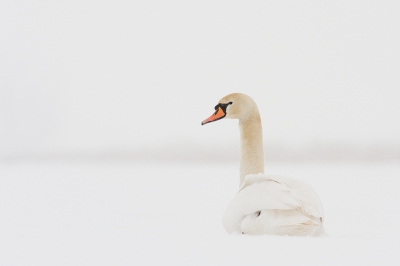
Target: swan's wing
x,y
267,192
255,197
308,199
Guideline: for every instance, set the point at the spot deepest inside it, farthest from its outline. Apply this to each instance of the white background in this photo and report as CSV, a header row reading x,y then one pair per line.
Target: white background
x,y
103,160
82,76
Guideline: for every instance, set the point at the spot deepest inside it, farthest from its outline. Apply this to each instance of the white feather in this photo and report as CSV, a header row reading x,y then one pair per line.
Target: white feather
x,y
270,204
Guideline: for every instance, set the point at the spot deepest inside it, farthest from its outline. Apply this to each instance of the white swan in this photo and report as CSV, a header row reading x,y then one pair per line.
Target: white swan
x,y
264,204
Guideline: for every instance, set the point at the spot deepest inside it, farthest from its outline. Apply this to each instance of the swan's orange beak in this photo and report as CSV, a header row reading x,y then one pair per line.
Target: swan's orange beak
x,y
219,114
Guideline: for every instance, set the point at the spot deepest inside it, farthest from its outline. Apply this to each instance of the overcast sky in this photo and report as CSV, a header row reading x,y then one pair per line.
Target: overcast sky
x,y
84,75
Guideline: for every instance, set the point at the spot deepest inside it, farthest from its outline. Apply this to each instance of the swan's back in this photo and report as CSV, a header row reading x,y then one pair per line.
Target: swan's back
x,y
269,204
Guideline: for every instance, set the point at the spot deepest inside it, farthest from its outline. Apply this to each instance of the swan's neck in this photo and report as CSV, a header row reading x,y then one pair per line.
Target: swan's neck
x,y
251,140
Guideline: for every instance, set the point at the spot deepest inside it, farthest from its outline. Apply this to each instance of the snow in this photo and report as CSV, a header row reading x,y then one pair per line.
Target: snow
x,y
130,213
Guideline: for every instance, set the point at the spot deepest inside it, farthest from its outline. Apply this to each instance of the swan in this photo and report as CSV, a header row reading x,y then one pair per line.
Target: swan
x,y
264,204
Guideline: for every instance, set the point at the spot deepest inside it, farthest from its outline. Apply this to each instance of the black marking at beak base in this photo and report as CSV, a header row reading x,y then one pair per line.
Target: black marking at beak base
x,y
223,106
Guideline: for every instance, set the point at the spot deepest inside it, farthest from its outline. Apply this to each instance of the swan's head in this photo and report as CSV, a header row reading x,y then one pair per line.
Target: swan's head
x,y
235,105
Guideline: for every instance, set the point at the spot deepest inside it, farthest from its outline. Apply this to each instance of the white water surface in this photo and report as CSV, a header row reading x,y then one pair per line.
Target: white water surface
x,y
129,213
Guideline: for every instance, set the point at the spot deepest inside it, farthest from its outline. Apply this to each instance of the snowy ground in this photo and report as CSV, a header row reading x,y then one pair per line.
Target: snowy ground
x,y
127,213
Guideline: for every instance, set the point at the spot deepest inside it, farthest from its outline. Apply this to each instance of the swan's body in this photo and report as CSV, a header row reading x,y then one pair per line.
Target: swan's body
x,y
264,204
275,205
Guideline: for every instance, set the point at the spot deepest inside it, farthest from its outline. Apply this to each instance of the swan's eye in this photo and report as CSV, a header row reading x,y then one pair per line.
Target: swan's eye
x,y
230,102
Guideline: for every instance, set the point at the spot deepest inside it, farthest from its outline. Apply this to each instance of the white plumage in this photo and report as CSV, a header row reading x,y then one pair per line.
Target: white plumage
x,y
270,204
